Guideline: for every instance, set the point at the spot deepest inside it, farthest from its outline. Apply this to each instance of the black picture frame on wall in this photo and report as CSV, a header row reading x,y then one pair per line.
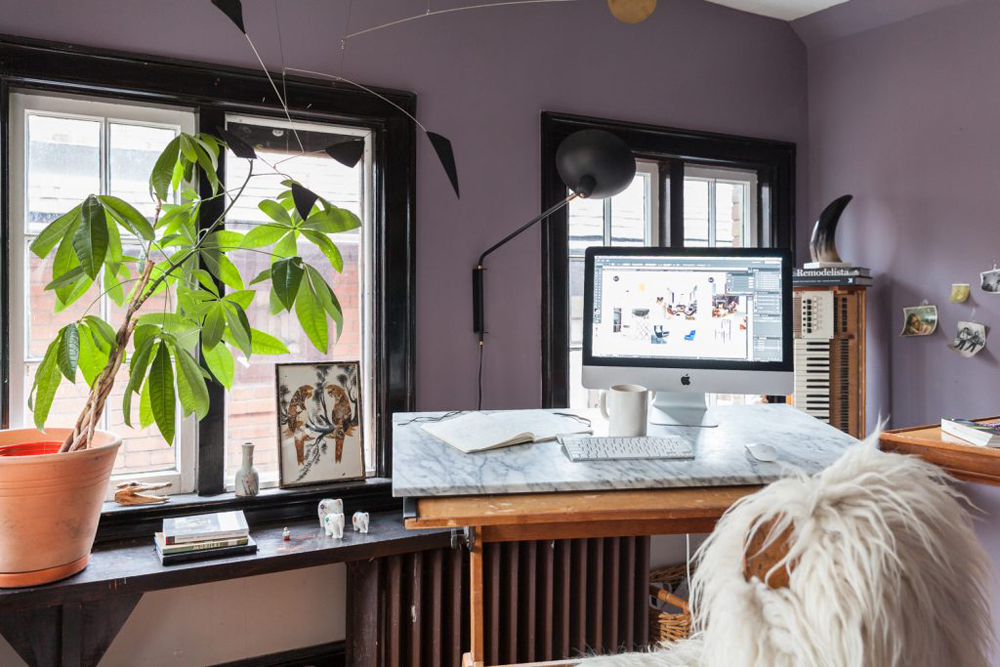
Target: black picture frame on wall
x,y
773,162
213,91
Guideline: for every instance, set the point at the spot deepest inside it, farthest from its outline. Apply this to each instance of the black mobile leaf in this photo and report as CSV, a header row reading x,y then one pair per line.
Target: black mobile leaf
x,y
304,199
444,152
236,145
347,152
234,10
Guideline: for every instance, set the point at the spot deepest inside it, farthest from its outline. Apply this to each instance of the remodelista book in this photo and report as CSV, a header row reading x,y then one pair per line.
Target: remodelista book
x,y
202,527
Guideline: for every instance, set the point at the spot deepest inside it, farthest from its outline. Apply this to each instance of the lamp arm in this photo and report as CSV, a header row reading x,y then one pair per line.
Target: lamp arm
x,y
478,287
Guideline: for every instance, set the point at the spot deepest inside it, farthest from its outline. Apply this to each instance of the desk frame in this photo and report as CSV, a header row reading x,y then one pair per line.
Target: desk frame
x,y
567,515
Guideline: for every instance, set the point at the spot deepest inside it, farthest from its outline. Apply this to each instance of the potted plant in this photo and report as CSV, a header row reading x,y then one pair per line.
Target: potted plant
x,y
53,481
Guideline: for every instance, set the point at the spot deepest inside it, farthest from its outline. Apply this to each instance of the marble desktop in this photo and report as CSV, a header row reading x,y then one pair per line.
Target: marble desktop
x,y
424,466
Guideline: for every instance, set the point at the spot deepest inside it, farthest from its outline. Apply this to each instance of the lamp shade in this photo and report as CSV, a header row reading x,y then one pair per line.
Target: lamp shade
x,y
595,164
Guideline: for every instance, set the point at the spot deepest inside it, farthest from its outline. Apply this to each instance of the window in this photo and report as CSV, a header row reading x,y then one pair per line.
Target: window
x,y
64,146
690,190
250,406
62,150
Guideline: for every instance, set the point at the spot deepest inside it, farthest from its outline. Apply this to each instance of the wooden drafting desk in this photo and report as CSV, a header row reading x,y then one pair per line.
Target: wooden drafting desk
x,y
533,491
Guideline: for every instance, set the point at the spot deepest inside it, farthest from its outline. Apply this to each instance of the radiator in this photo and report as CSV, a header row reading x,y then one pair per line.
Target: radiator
x,y
545,600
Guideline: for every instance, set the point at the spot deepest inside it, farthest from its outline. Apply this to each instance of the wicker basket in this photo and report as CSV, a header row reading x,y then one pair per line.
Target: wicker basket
x,y
670,617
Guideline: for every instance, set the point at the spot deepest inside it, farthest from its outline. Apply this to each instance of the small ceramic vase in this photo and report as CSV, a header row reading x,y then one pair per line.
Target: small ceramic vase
x,y
247,479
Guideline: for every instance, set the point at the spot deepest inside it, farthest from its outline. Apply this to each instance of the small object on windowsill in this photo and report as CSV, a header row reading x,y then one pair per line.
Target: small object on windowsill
x,y
333,524
247,479
329,506
286,534
360,521
203,527
135,493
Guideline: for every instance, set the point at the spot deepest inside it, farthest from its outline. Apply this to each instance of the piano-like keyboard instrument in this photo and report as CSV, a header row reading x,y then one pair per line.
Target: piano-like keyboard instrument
x,y
829,334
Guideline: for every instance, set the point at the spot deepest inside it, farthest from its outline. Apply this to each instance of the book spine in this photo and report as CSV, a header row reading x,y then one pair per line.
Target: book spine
x,y
187,539
200,546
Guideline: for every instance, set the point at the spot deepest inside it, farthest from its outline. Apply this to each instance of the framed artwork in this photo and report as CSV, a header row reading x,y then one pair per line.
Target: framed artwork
x,y
319,422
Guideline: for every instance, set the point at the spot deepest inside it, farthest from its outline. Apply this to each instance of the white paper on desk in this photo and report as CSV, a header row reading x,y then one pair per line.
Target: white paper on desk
x,y
479,431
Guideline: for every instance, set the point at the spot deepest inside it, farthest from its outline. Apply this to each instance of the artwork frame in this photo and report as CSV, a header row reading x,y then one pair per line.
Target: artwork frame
x,y
308,448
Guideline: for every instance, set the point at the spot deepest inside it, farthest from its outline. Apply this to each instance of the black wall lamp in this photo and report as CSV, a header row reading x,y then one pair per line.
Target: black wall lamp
x,y
593,164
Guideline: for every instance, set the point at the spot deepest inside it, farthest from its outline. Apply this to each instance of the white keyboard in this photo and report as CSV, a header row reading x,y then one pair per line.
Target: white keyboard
x,y
613,449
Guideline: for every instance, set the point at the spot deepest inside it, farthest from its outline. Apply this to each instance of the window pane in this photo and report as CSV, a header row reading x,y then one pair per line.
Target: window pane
x,y
250,406
576,277
696,212
586,225
730,202
133,150
629,213
63,166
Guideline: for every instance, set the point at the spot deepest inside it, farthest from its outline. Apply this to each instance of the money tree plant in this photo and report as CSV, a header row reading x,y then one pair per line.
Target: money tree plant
x,y
187,260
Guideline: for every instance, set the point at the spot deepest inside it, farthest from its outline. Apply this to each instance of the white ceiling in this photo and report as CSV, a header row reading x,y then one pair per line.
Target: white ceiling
x,y
787,10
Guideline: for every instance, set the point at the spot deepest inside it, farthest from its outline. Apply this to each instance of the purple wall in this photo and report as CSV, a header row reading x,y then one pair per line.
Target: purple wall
x,y
907,118
482,78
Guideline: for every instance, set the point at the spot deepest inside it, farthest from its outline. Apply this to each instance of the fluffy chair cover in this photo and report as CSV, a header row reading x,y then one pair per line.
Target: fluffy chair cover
x,y
887,572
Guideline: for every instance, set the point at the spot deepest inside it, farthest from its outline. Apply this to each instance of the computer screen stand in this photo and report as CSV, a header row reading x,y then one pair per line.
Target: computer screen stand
x,y
681,409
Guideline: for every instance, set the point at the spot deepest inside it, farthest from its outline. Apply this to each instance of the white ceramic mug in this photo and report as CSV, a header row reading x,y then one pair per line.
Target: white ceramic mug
x,y
626,407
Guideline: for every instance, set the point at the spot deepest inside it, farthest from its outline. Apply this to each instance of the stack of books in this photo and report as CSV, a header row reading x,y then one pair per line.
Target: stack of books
x,y
203,536
833,275
983,433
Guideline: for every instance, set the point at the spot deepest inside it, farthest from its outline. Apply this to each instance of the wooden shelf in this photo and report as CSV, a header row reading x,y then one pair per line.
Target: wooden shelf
x,y
963,460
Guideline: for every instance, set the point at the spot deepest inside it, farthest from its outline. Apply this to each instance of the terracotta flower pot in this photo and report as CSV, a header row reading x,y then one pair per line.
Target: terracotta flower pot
x,y
49,503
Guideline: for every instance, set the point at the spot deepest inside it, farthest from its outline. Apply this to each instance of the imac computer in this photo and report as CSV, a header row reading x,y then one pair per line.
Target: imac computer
x,y
686,322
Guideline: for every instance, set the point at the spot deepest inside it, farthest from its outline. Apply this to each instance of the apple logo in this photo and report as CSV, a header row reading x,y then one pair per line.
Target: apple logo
x,y
686,380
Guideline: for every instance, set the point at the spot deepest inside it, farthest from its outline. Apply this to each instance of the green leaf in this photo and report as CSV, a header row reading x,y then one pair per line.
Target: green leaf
x,y
162,401
239,327
226,238
190,384
222,268
264,235
310,314
286,275
327,299
210,144
64,225
113,285
90,242
286,247
93,358
142,334
160,177
69,351
266,344
243,297
220,361
328,247
128,215
276,212
187,149
145,409
261,277
213,327
208,164
47,379
67,278
105,335
137,372
332,221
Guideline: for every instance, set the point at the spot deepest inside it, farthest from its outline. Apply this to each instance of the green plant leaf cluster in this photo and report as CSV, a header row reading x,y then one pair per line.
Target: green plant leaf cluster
x,y
173,352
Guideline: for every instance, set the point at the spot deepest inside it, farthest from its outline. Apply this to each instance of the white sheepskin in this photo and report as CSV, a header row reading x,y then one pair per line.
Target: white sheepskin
x,y
888,573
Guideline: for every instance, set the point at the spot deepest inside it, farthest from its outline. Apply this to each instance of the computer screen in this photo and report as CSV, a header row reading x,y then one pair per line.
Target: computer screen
x,y
697,308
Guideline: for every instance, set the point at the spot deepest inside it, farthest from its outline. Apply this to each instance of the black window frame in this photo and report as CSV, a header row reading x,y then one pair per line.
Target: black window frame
x,y
672,149
212,91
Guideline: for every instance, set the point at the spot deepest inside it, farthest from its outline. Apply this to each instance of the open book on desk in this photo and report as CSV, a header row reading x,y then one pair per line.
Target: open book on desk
x,y
479,431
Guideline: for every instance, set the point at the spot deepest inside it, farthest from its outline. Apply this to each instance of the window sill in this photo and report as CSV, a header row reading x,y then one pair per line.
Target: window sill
x,y
272,505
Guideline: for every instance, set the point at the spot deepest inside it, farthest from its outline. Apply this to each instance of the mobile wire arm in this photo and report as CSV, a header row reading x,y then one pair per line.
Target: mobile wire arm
x,y
478,272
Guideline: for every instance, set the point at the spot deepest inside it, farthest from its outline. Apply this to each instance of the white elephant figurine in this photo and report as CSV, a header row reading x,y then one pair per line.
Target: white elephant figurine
x,y
360,521
329,506
334,525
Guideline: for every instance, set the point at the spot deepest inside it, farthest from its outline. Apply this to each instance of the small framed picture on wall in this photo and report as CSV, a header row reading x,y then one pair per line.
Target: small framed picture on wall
x,y
320,435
